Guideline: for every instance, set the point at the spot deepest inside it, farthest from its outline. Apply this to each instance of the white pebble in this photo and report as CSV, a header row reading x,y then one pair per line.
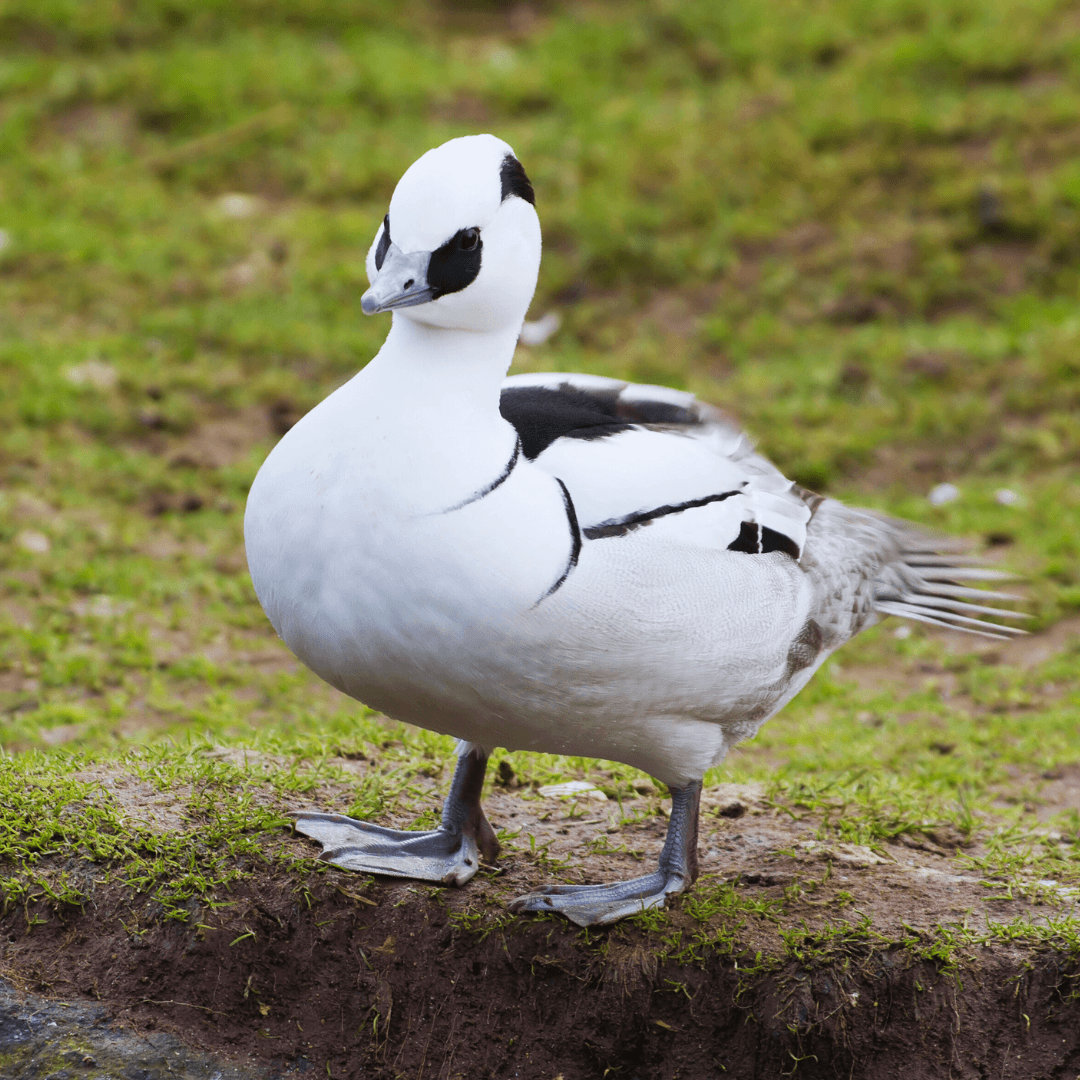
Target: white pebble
x,y
93,373
536,333
943,493
902,633
570,788
100,607
1006,497
36,542
237,205
502,58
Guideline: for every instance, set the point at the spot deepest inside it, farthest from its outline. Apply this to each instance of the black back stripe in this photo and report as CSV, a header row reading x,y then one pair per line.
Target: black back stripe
x,y
575,542
542,415
643,411
514,180
384,243
502,478
622,526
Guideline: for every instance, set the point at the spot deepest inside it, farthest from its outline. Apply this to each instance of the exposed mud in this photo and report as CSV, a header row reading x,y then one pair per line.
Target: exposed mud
x,y
354,977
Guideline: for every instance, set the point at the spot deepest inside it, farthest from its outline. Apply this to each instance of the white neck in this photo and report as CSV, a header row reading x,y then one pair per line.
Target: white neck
x,y
438,365
431,399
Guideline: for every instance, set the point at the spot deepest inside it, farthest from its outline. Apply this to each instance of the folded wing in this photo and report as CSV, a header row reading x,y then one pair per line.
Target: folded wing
x,y
639,457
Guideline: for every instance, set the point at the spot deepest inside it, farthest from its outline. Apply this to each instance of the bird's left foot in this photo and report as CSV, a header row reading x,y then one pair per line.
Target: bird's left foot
x,y
596,905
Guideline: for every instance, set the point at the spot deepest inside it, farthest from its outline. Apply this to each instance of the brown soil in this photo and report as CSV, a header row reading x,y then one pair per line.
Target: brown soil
x,y
364,978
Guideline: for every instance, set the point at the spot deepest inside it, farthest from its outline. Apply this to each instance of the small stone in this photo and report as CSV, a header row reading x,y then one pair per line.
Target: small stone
x,y
536,333
242,275
502,58
94,373
246,273
29,540
572,789
1006,497
902,633
237,205
943,493
100,607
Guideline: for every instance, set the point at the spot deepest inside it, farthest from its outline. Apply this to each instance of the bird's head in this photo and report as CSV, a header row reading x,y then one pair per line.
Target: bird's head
x,y
460,245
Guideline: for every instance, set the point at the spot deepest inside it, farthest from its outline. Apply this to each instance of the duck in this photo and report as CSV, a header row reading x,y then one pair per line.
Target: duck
x,y
558,563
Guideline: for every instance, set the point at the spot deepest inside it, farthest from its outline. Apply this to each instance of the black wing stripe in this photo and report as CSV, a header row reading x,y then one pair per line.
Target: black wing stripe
x,y
622,526
502,478
755,539
749,539
575,542
771,540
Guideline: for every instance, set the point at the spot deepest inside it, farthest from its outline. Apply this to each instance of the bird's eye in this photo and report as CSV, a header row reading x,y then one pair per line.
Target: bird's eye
x,y
468,239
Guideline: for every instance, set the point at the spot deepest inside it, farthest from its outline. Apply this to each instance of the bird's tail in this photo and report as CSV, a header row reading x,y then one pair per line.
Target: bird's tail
x,y
867,565
931,580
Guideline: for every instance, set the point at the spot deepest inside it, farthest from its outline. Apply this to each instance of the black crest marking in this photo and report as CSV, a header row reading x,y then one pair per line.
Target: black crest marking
x,y
384,243
575,541
754,539
454,266
622,526
500,479
514,180
542,415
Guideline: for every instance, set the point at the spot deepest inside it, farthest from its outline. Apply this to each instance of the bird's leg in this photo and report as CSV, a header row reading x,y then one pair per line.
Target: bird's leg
x,y
449,854
594,905
462,811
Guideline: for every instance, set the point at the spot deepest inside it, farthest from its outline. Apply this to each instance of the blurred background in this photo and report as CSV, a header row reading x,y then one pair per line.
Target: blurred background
x,y
853,224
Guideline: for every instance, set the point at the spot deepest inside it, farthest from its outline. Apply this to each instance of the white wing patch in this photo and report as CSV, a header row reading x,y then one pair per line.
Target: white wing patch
x,y
683,473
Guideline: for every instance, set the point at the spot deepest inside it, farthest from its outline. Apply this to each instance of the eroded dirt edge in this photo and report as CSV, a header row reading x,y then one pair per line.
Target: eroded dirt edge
x,y
355,977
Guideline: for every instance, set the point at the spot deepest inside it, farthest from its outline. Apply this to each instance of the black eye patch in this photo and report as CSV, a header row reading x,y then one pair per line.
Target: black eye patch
x,y
454,266
384,243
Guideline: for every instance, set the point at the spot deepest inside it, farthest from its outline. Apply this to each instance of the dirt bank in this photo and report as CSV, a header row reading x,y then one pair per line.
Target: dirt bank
x,y
792,955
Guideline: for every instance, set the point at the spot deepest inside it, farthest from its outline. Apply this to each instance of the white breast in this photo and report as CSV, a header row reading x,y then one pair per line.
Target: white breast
x,y
470,616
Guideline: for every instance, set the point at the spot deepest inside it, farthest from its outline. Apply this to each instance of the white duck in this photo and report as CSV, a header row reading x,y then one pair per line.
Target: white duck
x,y
560,563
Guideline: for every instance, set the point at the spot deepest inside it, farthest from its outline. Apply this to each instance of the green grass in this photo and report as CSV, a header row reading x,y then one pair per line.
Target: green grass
x,y
853,224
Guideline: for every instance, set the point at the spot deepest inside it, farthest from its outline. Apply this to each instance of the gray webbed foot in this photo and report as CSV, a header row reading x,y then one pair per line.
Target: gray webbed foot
x,y
597,905
449,854
441,855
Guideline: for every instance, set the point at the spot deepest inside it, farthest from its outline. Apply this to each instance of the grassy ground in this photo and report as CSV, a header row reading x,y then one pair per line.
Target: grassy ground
x,y
854,224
